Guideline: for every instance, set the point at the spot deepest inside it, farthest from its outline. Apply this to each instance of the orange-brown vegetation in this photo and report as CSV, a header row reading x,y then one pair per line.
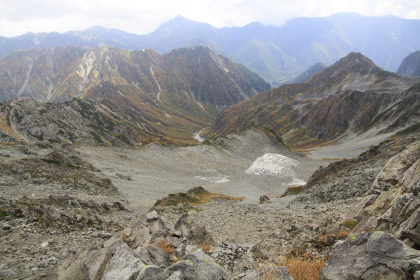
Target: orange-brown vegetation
x,y
303,269
168,248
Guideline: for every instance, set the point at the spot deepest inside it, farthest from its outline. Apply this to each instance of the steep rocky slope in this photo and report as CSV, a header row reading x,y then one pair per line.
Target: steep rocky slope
x,y
174,94
410,66
351,96
74,121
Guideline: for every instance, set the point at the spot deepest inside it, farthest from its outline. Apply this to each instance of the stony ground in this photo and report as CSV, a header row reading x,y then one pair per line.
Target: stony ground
x,y
57,200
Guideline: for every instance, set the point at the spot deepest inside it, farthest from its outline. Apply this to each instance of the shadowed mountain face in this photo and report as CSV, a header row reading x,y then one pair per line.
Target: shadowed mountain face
x,y
410,66
351,96
174,94
276,53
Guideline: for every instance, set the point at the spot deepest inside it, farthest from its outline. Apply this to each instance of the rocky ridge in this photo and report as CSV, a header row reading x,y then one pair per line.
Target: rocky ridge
x,y
349,97
174,94
74,121
276,53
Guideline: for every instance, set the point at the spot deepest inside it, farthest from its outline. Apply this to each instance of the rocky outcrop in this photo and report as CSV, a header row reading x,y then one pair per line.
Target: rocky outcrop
x,y
378,255
392,203
150,250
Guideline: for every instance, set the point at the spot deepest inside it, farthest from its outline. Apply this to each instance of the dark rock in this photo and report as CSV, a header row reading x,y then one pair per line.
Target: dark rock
x,y
151,273
264,199
184,268
369,256
191,229
159,257
259,251
6,226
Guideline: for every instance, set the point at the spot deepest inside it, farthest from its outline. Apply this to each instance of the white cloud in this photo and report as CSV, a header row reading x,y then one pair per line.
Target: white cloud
x,y
20,16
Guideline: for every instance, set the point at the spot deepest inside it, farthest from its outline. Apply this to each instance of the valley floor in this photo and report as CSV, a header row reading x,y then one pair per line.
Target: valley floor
x,y
143,175
148,174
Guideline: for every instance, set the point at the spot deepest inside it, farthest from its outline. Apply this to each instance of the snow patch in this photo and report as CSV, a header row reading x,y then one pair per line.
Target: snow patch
x,y
218,180
276,165
198,137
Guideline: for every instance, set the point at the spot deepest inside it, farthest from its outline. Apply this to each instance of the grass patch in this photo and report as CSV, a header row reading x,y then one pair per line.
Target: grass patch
x,y
327,240
206,248
300,141
168,248
386,141
303,269
293,191
350,224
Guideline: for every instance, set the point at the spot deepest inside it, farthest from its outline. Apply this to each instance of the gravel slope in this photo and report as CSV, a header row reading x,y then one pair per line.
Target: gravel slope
x,y
150,173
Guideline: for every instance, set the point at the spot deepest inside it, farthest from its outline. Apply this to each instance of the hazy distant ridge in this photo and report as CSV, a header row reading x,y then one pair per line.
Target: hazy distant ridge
x,y
276,53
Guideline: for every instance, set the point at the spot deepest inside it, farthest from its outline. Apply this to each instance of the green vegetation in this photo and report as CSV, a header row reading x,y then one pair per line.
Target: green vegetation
x,y
350,224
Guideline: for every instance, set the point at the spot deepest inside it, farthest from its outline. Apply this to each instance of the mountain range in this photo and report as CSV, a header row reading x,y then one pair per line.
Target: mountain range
x,y
173,94
278,54
351,96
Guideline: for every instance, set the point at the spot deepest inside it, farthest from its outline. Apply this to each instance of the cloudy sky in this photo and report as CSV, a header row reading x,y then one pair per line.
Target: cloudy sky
x,y
140,17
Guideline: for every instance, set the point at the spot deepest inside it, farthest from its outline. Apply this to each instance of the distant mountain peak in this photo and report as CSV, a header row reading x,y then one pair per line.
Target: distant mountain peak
x,y
181,20
356,58
354,62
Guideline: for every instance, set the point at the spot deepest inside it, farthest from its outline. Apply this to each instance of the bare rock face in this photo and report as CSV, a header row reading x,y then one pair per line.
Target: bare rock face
x,y
123,265
392,203
371,256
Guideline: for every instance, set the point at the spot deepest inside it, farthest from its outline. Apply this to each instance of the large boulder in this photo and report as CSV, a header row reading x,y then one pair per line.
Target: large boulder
x,y
124,265
372,256
193,230
198,266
